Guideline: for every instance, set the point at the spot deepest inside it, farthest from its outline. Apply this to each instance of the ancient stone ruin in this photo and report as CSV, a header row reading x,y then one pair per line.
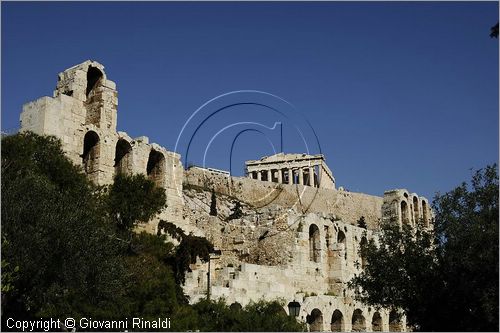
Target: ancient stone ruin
x,y
295,237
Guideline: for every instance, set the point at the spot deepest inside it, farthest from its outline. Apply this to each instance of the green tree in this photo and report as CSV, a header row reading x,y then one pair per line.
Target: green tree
x,y
134,199
446,279
467,230
57,235
261,316
362,222
236,211
213,204
494,31
152,290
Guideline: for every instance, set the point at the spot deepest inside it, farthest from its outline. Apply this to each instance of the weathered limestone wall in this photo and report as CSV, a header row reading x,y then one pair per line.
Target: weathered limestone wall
x,y
348,206
310,268
83,115
406,208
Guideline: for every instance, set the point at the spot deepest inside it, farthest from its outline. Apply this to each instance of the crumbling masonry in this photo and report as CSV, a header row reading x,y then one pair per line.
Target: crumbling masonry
x,y
297,239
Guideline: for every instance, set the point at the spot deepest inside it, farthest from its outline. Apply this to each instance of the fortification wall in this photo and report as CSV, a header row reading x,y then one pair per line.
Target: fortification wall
x,y
339,204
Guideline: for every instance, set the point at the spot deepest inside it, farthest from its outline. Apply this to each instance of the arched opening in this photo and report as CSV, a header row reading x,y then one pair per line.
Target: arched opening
x,y
404,213
123,157
424,213
358,321
337,324
93,99
235,306
314,243
91,151
363,243
377,322
156,167
341,237
94,75
416,214
394,321
315,321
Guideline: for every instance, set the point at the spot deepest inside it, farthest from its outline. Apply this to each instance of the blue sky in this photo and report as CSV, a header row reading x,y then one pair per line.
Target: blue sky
x,y
400,95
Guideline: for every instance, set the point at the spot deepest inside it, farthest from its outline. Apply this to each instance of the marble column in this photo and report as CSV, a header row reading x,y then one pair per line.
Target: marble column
x,y
290,176
311,176
269,176
259,175
280,176
320,174
301,176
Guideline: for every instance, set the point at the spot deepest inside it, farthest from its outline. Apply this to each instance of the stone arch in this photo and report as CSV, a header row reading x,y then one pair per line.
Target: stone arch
x,y
94,75
93,99
156,167
424,213
358,321
337,323
123,157
394,321
363,242
377,322
314,243
315,321
341,237
416,213
235,306
91,153
404,213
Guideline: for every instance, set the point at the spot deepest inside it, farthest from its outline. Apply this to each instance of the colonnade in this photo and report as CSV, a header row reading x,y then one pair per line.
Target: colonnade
x,y
307,175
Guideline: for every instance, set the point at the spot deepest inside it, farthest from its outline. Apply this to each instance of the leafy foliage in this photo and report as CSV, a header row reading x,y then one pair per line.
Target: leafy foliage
x,y
189,249
236,211
362,222
255,317
213,204
57,236
467,230
446,279
133,199
171,229
494,31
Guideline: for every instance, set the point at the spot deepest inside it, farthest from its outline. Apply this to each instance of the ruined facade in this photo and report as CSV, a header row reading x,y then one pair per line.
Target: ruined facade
x,y
296,239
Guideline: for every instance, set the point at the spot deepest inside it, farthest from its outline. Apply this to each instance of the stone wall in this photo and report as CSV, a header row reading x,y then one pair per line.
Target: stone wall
x,y
270,253
83,115
348,206
292,242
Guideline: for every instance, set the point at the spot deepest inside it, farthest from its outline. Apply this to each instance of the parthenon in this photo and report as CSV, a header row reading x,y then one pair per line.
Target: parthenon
x,y
292,169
